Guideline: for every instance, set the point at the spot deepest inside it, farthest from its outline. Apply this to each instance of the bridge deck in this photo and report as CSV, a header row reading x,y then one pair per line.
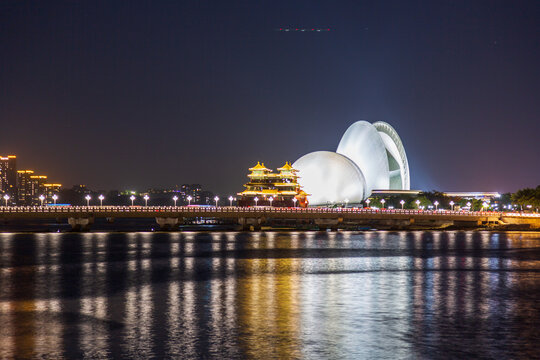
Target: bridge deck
x,y
226,212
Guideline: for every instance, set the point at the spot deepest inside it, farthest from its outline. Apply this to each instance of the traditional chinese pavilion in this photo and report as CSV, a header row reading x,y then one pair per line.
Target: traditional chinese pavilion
x,y
267,188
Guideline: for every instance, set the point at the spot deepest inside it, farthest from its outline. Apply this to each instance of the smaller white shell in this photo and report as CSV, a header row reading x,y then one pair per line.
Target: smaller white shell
x,y
330,178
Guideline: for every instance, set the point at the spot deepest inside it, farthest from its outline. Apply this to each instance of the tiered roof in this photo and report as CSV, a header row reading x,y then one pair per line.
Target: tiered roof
x,y
272,184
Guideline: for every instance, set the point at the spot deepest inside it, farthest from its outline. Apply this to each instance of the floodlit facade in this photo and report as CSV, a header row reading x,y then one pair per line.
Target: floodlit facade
x,y
266,188
368,157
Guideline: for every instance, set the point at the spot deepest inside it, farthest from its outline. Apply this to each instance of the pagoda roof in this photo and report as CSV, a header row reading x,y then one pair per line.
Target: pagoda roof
x,y
286,167
259,167
286,184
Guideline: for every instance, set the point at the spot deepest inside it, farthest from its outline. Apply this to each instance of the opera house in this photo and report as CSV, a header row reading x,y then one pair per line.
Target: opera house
x,y
369,157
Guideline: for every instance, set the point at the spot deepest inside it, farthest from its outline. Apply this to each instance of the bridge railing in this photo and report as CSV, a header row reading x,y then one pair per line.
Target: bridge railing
x,y
254,210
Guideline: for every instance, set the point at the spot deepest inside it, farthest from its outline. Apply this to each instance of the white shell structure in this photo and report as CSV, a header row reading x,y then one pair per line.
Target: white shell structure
x,y
362,144
330,178
368,157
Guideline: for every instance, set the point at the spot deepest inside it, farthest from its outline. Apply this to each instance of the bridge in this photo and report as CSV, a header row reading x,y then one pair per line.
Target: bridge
x,y
253,218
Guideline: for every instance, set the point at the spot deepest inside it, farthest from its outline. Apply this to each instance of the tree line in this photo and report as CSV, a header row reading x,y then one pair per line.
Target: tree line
x,y
527,199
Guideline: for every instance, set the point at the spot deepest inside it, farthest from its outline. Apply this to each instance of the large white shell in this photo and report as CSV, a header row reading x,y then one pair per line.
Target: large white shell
x,y
362,144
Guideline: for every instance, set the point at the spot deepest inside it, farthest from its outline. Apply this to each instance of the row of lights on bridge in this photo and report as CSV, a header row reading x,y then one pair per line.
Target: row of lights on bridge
x,y
231,199
132,198
146,198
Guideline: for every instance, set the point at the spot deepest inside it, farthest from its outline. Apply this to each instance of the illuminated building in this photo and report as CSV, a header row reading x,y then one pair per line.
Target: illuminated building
x,y
8,175
50,190
473,195
198,195
193,190
266,188
24,187
37,184
368,157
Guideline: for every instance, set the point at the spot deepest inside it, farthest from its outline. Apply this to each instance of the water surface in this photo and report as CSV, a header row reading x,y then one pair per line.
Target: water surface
x,y
355,295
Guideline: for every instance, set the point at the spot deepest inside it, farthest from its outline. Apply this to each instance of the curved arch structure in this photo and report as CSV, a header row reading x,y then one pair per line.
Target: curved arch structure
x,y
397,158
368,157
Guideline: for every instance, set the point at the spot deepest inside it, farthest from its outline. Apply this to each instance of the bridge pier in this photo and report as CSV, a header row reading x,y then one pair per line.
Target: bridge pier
x,y
331,224
248,223
168,223
80,223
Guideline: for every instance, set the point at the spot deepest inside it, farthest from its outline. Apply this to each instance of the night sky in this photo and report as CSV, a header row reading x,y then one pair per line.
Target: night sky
x,y
138,94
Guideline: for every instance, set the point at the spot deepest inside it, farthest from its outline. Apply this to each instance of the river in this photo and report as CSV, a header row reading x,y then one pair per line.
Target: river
x,y
269,295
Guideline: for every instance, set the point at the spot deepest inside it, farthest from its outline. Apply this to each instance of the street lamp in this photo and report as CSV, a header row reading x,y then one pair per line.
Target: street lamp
x,y
55,197
484,205
402,202
146,197
87,197
255,199
132,198
270,199
101,197
230,200
6,198
189,199
216,199
175,198
367,202
294,200
452,205
41,198
436,203
469,205
346,202
417,203
382,202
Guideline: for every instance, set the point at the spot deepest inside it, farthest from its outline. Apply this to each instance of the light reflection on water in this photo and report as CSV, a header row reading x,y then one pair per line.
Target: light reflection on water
x,y
270,295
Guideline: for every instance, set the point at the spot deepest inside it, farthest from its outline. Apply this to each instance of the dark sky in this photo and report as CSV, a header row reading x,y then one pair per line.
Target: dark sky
x,y
137,94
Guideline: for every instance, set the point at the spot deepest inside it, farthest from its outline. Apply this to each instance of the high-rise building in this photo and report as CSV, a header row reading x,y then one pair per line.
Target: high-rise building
x,y
8,175
37,184
193,190
50,190
24,187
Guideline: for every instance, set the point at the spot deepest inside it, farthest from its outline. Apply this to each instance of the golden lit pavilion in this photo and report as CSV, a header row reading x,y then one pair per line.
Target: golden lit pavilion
x,y
267,188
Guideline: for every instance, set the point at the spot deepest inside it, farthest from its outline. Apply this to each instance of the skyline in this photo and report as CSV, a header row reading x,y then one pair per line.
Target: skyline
x,y
140,95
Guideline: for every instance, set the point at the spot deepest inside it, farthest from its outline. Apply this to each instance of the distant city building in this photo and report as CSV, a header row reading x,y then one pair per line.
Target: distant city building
x,y
50,190
266,188
37,184
8,175
193,190
80,189
24,187
196,193
187,194
30,187
473,195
